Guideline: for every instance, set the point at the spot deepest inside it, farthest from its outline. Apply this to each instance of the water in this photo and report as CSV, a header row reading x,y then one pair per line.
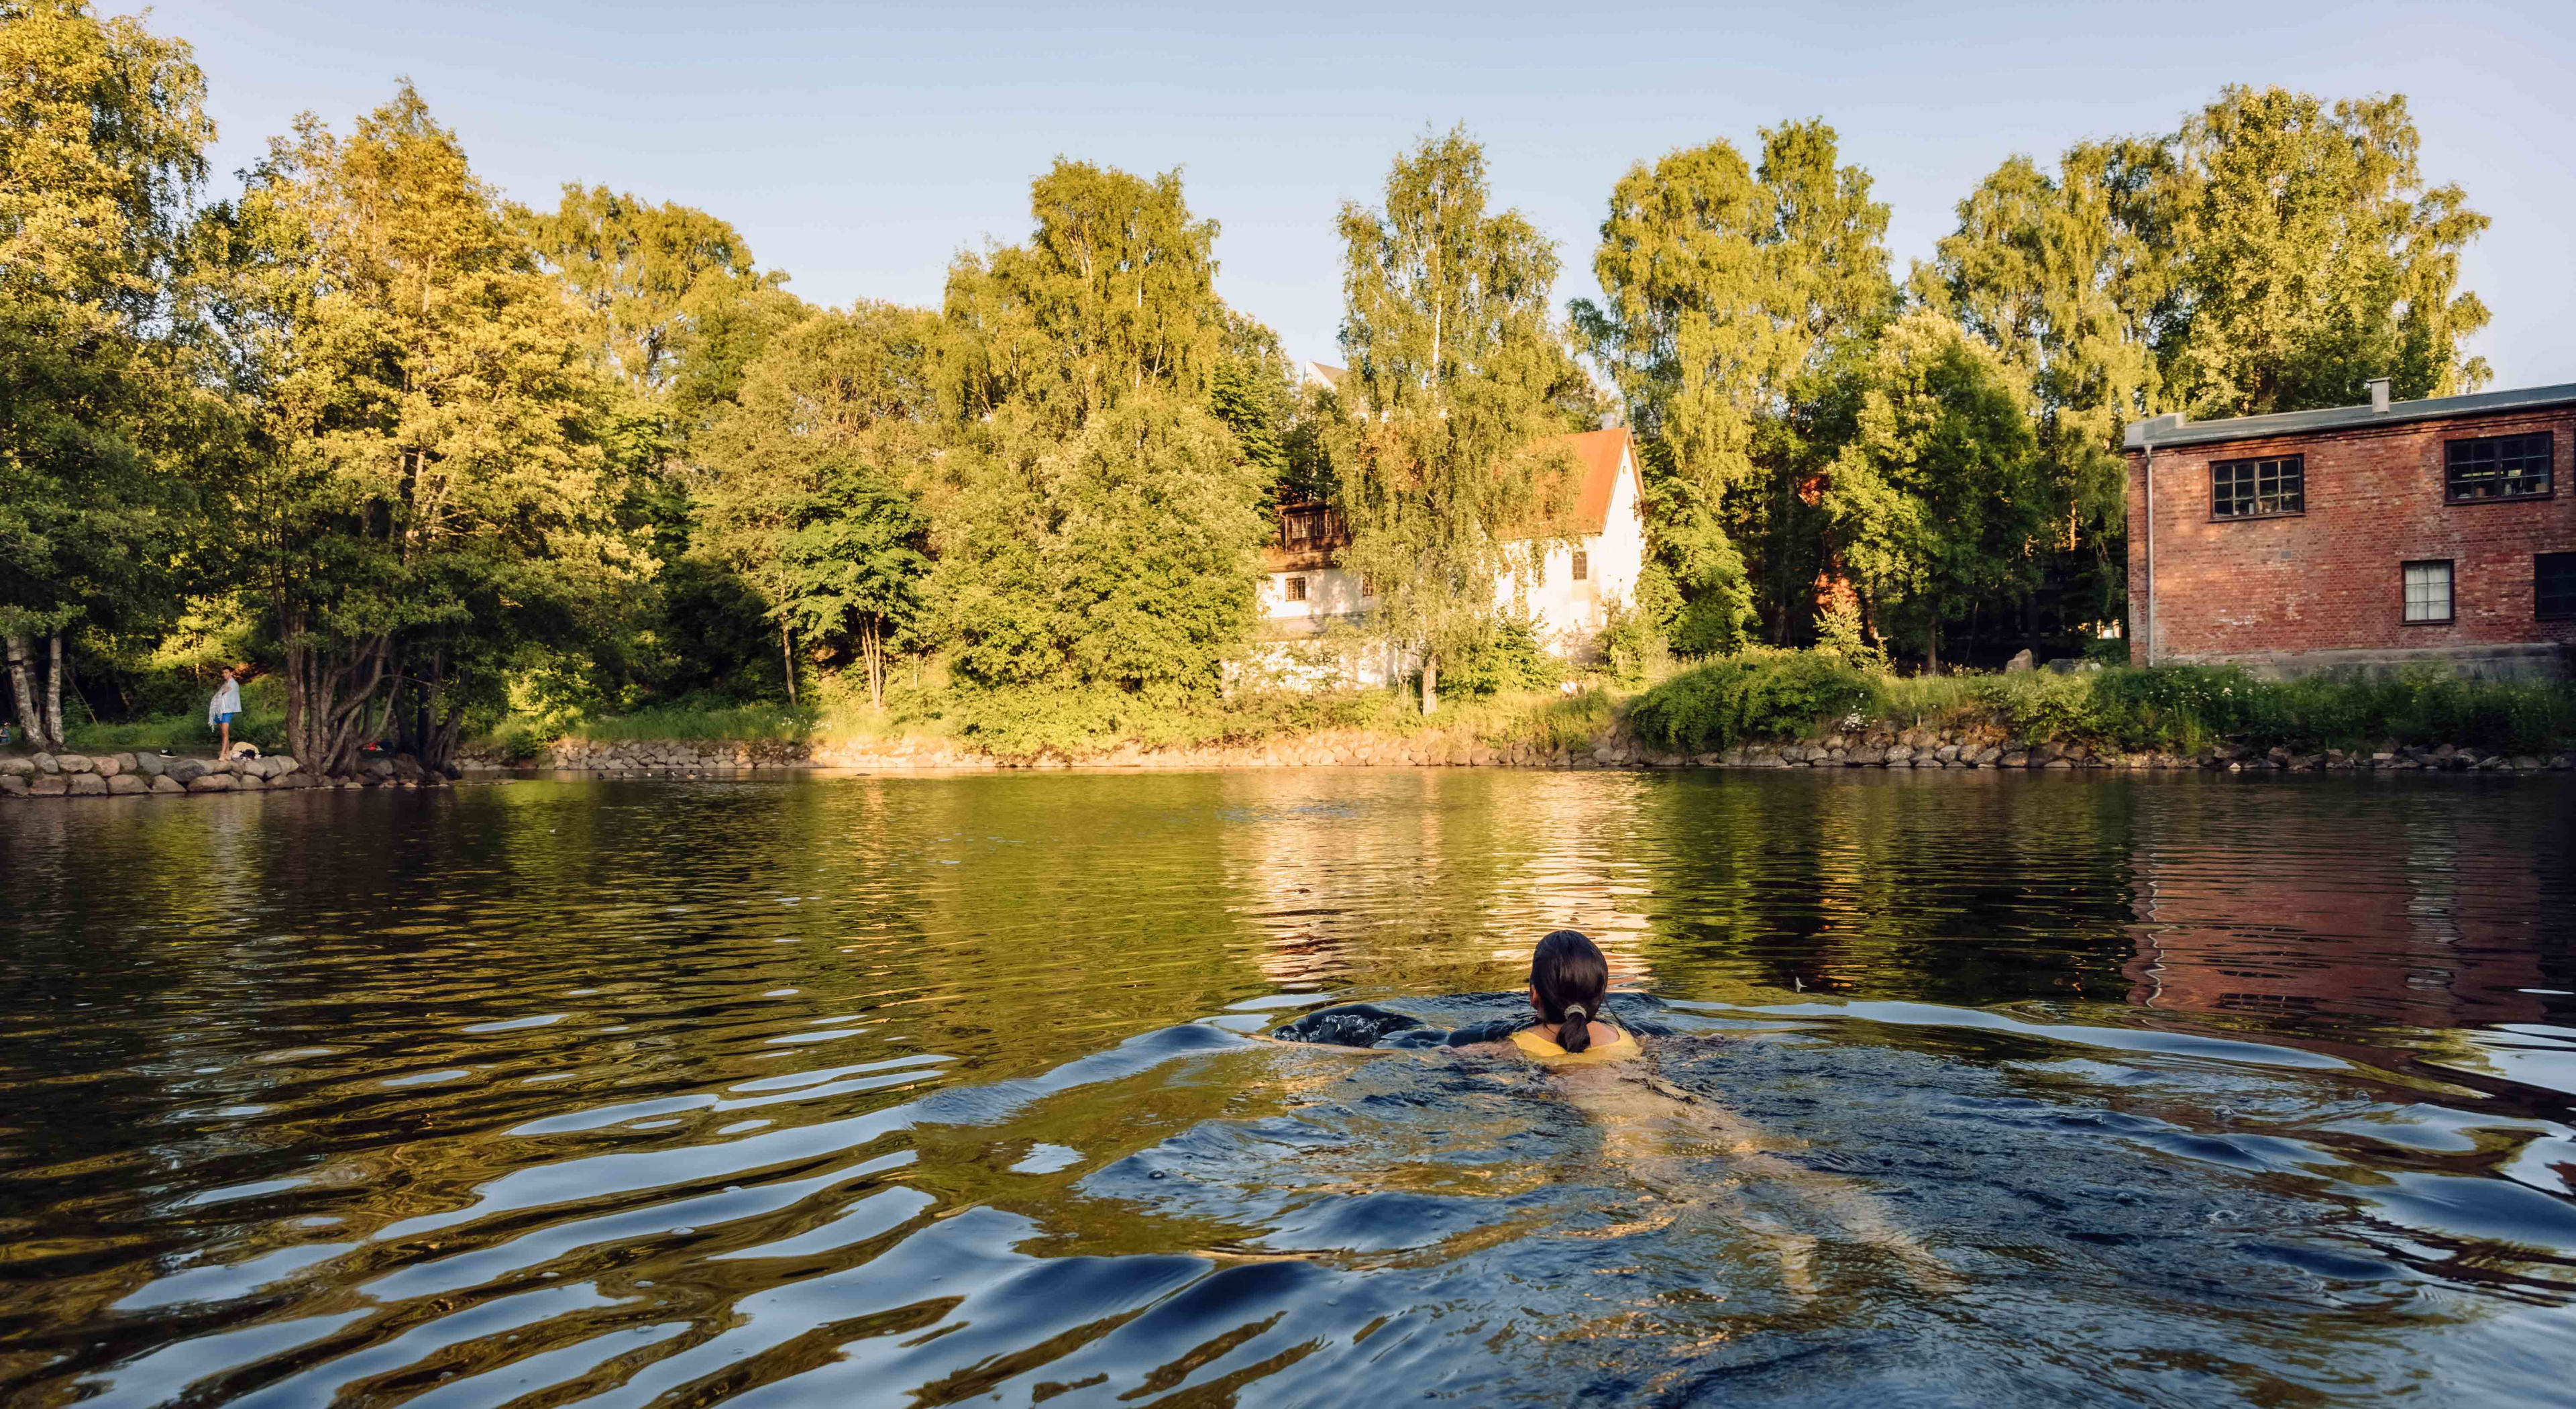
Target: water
x,y
1975,1089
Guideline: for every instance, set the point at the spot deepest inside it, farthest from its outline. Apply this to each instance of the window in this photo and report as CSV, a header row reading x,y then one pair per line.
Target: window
x,y
2497,467
1296,589
2553,586
2428,592
2253,489
1582,565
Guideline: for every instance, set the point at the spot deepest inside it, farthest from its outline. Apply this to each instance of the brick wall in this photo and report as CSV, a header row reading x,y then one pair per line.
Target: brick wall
x,y
2329,578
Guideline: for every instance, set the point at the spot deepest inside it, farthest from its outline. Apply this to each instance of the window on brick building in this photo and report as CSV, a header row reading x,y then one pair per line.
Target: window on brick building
x,y
2553,586
2253,489
1582,565
2428,591
1296,589
2497,467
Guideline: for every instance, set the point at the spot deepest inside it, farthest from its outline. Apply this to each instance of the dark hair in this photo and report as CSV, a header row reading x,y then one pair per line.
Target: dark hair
x,y
1570,976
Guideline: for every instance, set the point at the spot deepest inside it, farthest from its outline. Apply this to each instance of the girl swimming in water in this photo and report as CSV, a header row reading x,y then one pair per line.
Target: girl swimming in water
x,y
1569,981
1689,1155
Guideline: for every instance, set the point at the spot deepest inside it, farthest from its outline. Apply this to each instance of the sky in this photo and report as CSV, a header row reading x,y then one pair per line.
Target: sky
x,y
860,147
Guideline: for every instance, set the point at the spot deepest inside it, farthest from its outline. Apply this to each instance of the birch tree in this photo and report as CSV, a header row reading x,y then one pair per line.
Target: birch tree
x,y
1728,289
102,134
1453,362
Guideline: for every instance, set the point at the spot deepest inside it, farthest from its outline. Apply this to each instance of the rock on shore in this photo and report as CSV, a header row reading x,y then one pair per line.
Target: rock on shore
x,y
151,775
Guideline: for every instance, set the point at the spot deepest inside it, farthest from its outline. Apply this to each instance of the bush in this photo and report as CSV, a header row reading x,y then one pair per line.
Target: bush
x,y
1631,647
1507,658
1759,694
2183,708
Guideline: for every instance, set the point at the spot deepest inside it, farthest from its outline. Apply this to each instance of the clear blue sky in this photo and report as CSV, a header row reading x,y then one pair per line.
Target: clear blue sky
x,y
859,146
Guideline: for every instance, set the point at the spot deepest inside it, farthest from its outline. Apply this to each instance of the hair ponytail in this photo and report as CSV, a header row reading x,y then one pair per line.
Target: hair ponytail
x,y
1570,978
1575,1033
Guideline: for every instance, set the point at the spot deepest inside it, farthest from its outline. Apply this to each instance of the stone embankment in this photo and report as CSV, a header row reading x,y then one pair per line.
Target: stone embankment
x,y
152,775
1971,747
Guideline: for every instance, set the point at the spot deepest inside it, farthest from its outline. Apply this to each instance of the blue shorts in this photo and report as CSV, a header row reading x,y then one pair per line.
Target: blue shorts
x,y
224,718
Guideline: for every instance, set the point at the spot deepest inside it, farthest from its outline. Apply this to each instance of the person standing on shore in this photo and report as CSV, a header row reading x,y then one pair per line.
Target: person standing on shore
x,y
221,709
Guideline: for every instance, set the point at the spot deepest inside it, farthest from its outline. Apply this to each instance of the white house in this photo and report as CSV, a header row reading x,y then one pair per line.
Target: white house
x,y
1593,562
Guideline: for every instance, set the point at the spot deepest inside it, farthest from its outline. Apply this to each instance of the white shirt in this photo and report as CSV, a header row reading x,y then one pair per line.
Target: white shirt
x,y
227,701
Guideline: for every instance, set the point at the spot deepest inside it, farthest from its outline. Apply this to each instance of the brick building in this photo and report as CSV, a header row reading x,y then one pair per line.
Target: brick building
x,y
2360,537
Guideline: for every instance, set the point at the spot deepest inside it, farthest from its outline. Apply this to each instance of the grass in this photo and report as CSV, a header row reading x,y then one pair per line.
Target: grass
x,y
262,722
2176,709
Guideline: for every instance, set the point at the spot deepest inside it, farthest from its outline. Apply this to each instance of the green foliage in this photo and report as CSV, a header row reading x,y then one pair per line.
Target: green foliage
x,y
701,723
1842,636
438,496
805,482
1557,721
1121,559
645,274
1759,694
2309,255
2184,708
105,406
852,566
185,730
1935,504
1728,291
1097,545
1458,373
1633,647
1113,294
1253,392
2270,255
1506,657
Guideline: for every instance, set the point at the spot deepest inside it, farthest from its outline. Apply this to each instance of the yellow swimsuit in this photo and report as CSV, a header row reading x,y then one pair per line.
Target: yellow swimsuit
x,y
1530,1042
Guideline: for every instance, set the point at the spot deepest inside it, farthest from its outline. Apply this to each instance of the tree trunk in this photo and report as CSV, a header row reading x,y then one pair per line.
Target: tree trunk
x,y
872,650
330,689
22,687
54,692
1932,648
1430,685
787,659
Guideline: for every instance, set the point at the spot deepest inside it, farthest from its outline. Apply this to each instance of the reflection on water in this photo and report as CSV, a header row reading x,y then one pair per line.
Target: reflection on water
x,y
912,1091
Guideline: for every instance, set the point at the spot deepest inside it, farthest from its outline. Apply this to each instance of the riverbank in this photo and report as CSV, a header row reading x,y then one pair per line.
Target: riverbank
x,y
1971,747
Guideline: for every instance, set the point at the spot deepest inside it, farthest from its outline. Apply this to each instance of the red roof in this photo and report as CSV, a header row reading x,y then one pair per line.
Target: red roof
x,y
1597,455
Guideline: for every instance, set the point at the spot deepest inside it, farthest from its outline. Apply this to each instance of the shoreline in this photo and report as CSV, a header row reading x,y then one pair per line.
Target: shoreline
x,y
1972,748
32,777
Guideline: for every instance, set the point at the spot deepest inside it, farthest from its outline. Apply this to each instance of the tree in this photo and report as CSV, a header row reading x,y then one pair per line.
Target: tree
x,y
2063,277
1728,289
2271,255
1114,294
1097,525
645,273
102,135
837,412
437,490
853,566
1935,503
1252,391
1116,565
1455,365
2311,257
